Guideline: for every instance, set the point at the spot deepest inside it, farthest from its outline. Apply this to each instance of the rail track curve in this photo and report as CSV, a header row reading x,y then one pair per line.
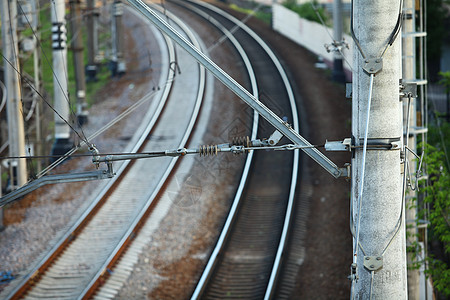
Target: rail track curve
x,y
79,260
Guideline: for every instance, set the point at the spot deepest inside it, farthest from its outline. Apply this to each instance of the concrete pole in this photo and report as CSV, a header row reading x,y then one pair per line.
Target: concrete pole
x,y
37,83
78,60
62,142
409,74
119,67
92,38
16,133
338,67
379,210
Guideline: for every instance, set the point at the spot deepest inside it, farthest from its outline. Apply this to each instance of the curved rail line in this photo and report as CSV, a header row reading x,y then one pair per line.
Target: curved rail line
x,y
81,257
123,267
111,287
232,275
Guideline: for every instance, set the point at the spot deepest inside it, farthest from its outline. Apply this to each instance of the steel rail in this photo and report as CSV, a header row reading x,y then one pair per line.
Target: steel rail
x,y
148,123
238,195
139,220
207,273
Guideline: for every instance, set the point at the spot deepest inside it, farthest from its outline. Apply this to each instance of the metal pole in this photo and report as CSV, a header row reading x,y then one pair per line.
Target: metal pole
x,y
16,133
78,60
338,67
119,36
91,68
409,109
113,62
62,142
377,180
37,84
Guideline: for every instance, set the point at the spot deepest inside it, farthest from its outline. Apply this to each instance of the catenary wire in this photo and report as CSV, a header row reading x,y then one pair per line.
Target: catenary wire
x,y
102,130
13,42
224,37
355,39
86,140
363,164
42,97
371,284
405,174
57,80
117,119
4,93
331,37
107,126
65,68
392,36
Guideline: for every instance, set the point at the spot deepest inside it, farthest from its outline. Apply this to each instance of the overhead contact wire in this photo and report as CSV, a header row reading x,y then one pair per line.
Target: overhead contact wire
x,y
84,138
40,95
363,167
329,34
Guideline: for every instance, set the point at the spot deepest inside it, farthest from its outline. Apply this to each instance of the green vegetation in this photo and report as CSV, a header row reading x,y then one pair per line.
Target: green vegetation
x,y
435,193
445,80
307,11
266,17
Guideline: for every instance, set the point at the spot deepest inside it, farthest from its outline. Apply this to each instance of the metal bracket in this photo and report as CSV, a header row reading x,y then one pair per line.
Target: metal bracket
x,y
52,179
373,65
336,46
373,263
236,88
275,138
372,144
353,273
344,145
408,89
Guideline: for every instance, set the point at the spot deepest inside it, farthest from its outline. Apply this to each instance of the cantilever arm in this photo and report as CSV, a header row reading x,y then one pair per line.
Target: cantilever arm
x,y
51,179
235,87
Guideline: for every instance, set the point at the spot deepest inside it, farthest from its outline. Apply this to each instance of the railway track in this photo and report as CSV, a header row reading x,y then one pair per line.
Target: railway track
x,y
74,268
247,259
129,259
248,256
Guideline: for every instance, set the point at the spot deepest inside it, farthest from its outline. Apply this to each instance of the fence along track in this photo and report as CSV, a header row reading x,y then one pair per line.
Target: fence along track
x,y
69,274
242,266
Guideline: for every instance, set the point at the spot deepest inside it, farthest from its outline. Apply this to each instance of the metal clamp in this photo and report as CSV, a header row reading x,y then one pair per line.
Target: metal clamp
x,y
373,65
344,145
336,46
353,273
408,89
373,144
373,263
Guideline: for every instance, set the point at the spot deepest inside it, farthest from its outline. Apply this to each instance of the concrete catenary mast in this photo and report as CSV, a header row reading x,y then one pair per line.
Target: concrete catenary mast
x,y
378,225
78,60
61,99
118,62
16,134
92,38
